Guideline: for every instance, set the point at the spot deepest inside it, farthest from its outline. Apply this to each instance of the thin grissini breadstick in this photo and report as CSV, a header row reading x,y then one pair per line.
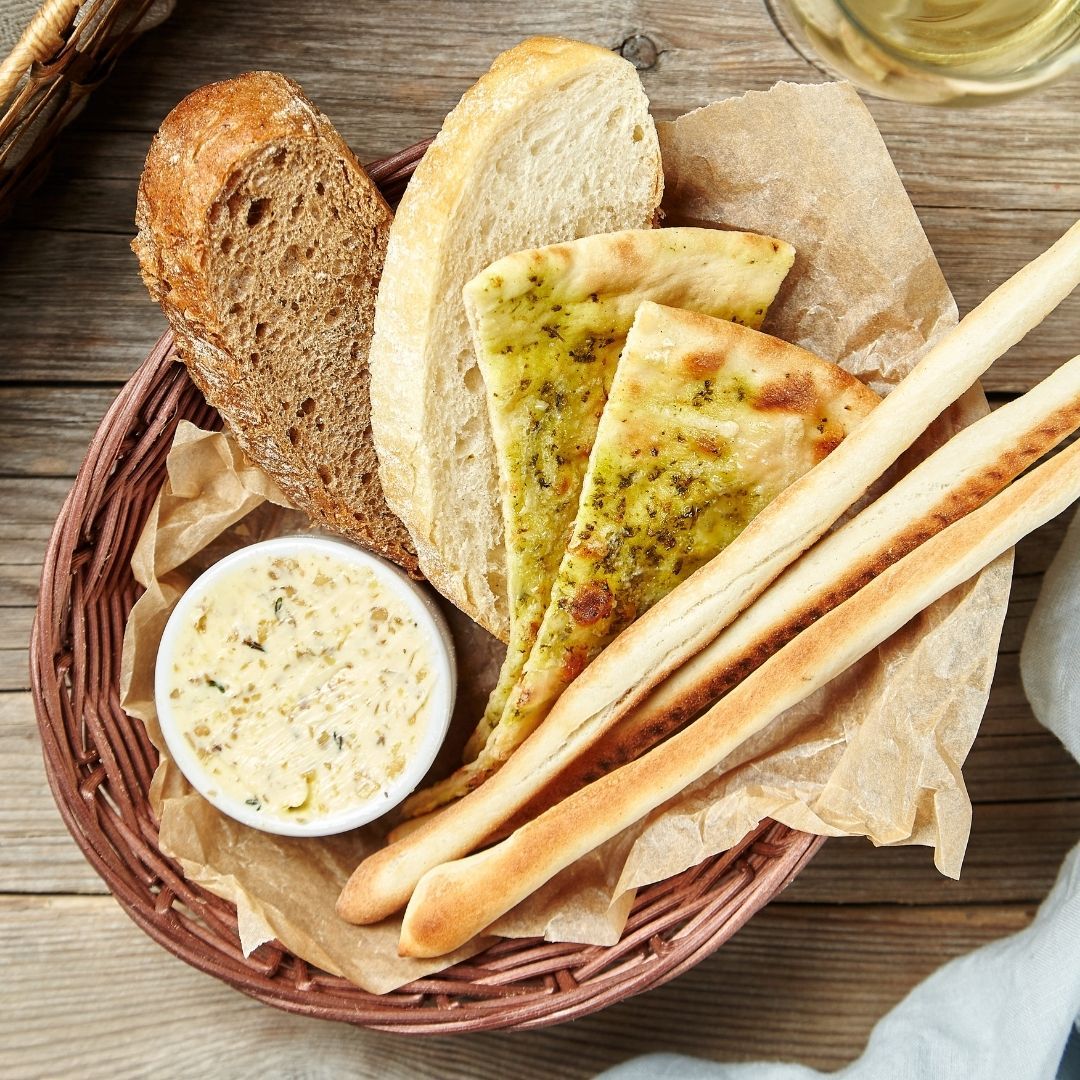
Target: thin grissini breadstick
x,y
681,624
455,901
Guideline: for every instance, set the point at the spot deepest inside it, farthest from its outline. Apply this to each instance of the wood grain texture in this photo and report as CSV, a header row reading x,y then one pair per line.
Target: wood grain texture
x,y
860,961
993,187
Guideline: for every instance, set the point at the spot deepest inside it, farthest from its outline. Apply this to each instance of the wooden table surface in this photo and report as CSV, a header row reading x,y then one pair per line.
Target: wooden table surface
x,y
84,992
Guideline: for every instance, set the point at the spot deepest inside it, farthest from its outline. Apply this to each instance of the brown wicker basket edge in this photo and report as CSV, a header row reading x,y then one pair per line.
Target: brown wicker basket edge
x,y
99,763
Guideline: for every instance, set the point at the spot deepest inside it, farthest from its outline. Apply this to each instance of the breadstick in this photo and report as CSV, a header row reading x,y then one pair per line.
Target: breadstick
x,y
681,624
455,901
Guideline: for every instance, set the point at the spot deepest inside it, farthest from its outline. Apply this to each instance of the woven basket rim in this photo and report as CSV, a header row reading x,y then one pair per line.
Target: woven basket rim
x,y
98,762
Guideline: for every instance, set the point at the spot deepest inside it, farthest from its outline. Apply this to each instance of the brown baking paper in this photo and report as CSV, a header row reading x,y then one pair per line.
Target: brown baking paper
x,y
875,753
213,502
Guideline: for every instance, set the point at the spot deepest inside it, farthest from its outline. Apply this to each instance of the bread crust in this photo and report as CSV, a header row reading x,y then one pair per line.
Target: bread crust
x,y
199,145
197,157
415,473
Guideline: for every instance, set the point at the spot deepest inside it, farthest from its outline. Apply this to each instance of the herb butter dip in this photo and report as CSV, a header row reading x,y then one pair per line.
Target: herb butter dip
x,y
304,686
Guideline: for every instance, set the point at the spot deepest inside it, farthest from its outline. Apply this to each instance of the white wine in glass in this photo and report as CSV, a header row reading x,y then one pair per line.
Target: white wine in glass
x,y
938,51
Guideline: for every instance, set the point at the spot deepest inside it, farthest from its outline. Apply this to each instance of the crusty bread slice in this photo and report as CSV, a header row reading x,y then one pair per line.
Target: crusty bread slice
x,y
548,326
706,423
263,240
554,143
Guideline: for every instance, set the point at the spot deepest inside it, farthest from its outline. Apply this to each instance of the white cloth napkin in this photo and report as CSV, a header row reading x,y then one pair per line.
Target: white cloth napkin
x,y
1005,1011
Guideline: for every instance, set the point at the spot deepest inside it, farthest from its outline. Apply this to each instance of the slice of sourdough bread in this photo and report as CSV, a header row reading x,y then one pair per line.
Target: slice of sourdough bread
x,y
554,143
263,240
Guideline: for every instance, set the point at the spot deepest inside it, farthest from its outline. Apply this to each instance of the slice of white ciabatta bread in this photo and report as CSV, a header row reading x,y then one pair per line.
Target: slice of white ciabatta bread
x,y
263,240
554,143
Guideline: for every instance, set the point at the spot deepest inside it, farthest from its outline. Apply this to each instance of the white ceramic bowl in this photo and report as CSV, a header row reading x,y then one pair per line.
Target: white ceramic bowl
x,y
441,649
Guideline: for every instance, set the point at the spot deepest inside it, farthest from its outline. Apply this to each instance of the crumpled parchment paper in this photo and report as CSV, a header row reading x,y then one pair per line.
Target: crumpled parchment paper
x,y
876,753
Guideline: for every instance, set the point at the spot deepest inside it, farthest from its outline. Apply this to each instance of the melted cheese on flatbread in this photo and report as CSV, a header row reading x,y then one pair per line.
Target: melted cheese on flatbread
x,y
549,326
706,423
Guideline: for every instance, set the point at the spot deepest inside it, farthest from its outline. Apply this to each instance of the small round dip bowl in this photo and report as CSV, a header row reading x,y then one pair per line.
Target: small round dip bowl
x,y
304,686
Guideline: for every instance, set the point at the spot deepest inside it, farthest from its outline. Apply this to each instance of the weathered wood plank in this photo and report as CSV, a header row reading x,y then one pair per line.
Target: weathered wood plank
x,y
100,323
1013,855
20,563
799,981
15,638
45,430
1014,155
37,854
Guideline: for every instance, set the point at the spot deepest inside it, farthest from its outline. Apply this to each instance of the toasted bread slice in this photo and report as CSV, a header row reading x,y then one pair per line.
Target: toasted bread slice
x,y
707,423
554,143
263,240
549,325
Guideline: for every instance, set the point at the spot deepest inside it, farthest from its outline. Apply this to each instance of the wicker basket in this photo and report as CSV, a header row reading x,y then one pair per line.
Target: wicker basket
x,y
99,763
66,50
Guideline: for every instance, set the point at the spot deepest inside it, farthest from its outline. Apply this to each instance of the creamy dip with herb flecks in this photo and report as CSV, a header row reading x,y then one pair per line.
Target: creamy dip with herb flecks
x,y
303,685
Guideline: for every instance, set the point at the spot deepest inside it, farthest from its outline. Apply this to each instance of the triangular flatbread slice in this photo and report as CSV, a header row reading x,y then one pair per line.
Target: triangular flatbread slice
x,y
706,423
548,326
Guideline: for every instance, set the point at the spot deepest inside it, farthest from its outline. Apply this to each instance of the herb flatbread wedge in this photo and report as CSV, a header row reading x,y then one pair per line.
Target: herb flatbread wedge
x,y
548,327
706,423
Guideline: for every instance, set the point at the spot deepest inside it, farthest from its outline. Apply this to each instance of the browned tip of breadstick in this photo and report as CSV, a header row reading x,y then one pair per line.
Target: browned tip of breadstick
x,y
372,892
441,906
383,882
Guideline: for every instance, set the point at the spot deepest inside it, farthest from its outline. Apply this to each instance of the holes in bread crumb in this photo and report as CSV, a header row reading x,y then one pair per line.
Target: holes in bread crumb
x,y
226,245
235,309
254,358
294,434
320,188
257,211
279,158
639,133
297,208
290,261
234,202
319,425
260,331
325,475
474,380
332,316
307,407
308,252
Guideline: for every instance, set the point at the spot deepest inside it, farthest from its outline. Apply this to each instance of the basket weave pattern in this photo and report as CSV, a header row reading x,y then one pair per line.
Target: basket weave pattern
x,y
99,763
68,49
